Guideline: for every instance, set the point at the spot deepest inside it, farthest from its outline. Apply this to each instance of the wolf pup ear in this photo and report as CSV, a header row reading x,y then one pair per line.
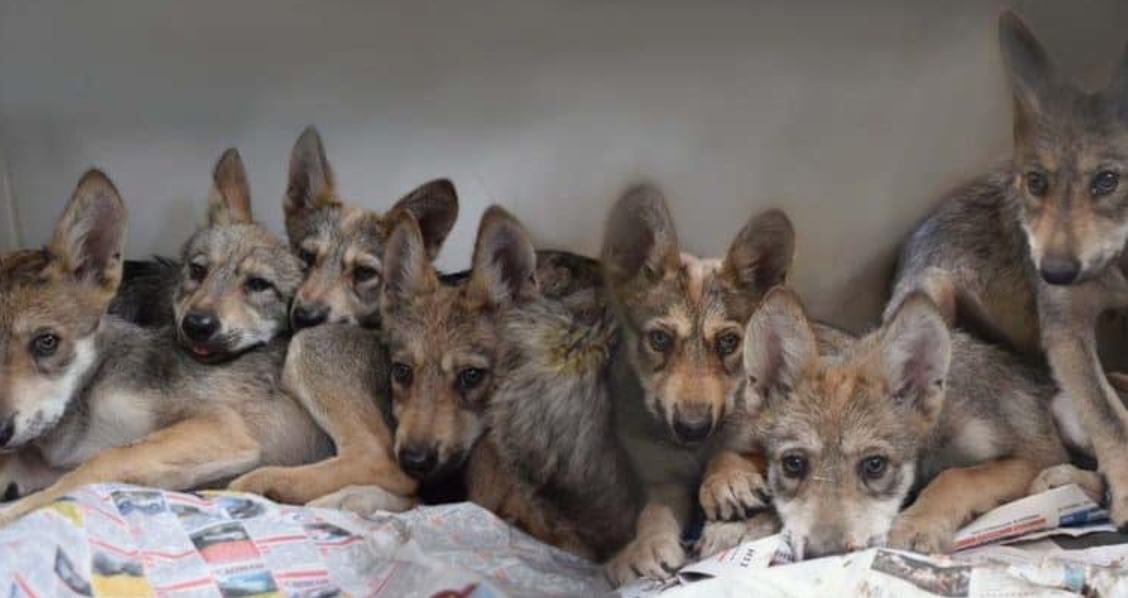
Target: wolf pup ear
x,y
1031,72
504,266
778,344
90,235
761,255
640,241
435,207
916,348
407,269
230,199
311,184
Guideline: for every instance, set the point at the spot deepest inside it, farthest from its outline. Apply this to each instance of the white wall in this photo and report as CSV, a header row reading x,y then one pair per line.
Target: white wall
x,y
854,116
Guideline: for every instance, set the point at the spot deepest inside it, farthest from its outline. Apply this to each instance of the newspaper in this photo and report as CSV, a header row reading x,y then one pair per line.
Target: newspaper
x,y
1006,552
124,541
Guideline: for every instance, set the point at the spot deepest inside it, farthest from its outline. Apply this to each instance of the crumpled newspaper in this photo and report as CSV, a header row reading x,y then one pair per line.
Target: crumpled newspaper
x,y
125,541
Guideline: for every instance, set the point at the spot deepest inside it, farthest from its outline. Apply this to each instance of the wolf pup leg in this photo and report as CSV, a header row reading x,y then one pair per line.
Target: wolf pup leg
x,y
955,497
337,373
656,550
182,456
734,486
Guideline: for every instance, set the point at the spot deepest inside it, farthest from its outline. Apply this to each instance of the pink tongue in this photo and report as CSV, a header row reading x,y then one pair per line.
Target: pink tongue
x,y
200,351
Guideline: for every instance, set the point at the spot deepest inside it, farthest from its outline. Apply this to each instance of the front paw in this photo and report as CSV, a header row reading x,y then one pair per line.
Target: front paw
x,y
364,500
274,483
921,534
657,556
718,536
733,495
1065,474
1118,499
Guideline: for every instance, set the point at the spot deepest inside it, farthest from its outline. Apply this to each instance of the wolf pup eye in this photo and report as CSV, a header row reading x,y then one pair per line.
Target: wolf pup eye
x,y
45,345
470,378
728,343
307,257
401,373
362,274
794,466
874,467
197,272
660,340
1104,183
258,285
1036,183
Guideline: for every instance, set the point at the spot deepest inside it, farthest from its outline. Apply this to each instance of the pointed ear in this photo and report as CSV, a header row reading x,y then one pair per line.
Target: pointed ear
x,y
90,235
435,207
916,349
1029,67
407,269
505,262
230,199
640,242
311,184
761,255
778,344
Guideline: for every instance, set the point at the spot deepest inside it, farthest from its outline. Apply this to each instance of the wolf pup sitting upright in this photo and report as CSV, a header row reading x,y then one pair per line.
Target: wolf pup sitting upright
x,y
1032,254
88,398
503,378
909,406
683,321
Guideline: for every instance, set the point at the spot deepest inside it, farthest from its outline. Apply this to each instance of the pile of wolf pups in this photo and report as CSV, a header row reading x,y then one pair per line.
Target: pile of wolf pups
x,y
595,404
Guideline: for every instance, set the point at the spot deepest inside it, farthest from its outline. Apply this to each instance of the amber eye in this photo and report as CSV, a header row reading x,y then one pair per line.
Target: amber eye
x,y
728,343
45,345
401,373
258,285
362,274
794,466
1036,183
874,467
660,340
197,272
470,378
1104,183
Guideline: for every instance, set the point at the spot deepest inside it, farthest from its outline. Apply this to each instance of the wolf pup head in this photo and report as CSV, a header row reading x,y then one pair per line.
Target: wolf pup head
x,y
342,245
842,435
51,305
1070,160
684,317
238,278
444,340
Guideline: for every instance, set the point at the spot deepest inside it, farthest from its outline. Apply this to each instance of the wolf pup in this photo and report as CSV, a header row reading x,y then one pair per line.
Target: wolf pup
x,y
910,406
89,398
1032,254
683,322
342,245
502,378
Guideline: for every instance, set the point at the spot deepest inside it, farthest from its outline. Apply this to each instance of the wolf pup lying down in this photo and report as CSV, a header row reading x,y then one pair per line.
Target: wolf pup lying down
x,y
336,369
88,398
503,378
911,406
1032,254
679,364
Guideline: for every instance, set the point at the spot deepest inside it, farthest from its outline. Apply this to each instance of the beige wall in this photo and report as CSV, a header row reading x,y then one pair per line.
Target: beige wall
x,y
853,116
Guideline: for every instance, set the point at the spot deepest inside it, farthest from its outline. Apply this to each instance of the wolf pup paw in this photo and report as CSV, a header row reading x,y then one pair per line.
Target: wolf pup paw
x,y
733,495
364,500
657,556
921,534
1065,474
274,483
718,536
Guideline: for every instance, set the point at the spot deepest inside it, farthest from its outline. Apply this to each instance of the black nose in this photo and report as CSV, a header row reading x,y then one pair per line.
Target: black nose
x,y
692,428
308,316
7,430
1060,270
418,461
199,326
